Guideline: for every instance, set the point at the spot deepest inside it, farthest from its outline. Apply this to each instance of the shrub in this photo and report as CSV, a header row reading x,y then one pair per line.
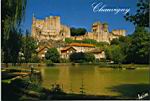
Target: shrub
x,y
68,40
64,60
35,59
53,55
89,57
49,63
77,57
82,57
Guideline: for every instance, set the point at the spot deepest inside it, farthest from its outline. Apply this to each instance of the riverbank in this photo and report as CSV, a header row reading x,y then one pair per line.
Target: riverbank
x,y
100,65
17,86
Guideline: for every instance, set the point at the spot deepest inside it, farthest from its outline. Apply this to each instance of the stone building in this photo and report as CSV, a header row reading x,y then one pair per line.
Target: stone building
x,y
49,28
101,33
82,47
49,32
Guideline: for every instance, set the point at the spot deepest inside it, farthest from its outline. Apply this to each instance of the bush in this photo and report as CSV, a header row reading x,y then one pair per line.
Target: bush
x,y
35,59
68,40
115,54
82,57
64,60
49,63
77,57
53,55
89,57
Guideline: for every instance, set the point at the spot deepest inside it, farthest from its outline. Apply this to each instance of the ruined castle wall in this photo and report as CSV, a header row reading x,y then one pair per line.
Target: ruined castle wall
x,y
119,32
65,31
49,28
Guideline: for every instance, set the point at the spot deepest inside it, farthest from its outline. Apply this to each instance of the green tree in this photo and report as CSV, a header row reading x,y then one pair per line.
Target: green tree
x,y
89,57
77,57
35,58
11,51
82,57
115,54
29,46
115,41
124,43
53,55
108,53
77,31
139,50
141,17
12,14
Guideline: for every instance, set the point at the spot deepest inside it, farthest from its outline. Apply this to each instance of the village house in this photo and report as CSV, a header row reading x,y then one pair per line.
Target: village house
x,y
65,52
81,47
51,31
42,49
98,53
71,48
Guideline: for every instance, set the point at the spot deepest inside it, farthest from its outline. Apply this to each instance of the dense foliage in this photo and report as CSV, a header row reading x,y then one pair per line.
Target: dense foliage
x,y
134,48
139,48
12,47
82,57
115,54
141,17
53,55
29,46
77,31
13,12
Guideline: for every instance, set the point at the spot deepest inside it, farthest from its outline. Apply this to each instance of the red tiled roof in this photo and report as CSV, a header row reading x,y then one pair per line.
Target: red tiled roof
x,y
66,48
97,51
82,45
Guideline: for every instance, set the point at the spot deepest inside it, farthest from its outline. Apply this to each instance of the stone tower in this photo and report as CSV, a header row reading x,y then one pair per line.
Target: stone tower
x,y
49,28
101,32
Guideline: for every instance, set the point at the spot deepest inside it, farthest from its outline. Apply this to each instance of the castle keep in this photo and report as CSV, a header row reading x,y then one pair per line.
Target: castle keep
x,y
49,28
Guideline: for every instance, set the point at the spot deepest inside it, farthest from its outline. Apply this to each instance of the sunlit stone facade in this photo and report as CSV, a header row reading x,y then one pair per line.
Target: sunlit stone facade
x,y
49,28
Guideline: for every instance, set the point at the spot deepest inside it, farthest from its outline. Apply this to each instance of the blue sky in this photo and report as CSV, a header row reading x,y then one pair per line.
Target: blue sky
x,y
79,13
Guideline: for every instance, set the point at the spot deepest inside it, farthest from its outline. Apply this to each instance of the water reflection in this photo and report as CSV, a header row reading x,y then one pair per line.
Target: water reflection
x,y
95,80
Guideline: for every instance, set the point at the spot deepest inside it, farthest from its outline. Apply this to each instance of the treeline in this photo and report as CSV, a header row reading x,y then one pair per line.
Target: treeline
x,y
20,48
134,48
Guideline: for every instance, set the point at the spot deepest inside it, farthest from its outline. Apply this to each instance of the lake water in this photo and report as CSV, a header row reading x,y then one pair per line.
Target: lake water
x,y
95,80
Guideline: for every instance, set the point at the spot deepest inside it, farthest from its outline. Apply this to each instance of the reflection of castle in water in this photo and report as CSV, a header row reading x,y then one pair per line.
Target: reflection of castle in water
x,y
71,78
64,78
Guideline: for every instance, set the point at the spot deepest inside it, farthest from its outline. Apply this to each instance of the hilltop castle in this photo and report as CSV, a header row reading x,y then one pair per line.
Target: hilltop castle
x,y
49,32
51,28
